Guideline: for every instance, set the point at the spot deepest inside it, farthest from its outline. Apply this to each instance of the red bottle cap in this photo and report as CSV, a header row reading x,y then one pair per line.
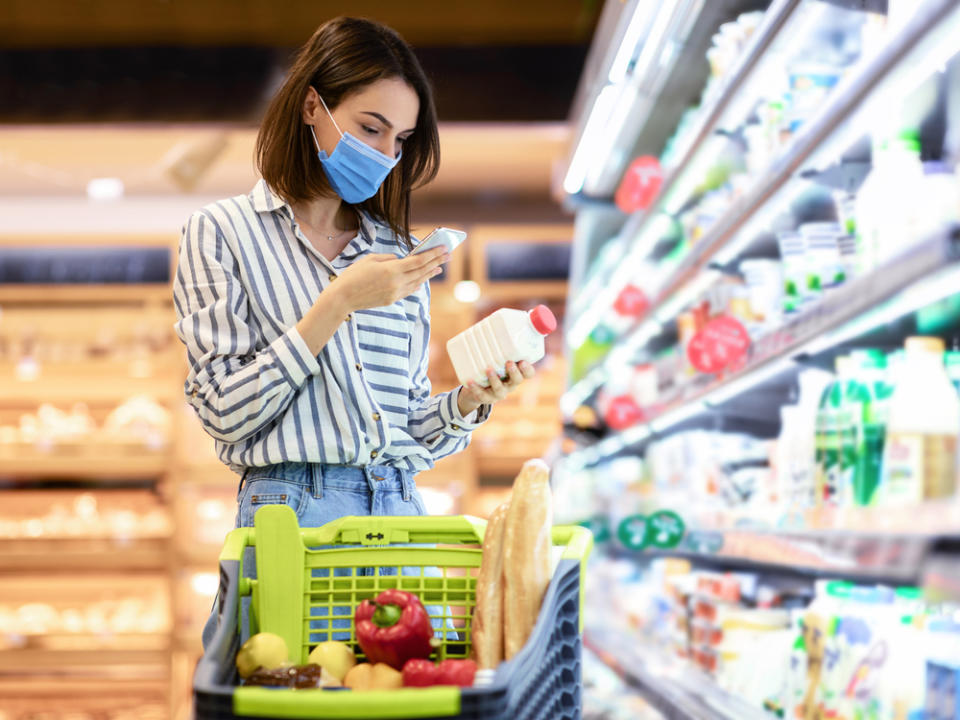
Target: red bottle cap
x,y
543,320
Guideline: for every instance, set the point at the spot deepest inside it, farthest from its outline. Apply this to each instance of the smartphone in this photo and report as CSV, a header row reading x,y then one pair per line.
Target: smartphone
x,y
441,237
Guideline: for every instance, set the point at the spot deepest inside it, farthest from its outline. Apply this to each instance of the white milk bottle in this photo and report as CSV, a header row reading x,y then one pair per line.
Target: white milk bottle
x,y
504,336
919,460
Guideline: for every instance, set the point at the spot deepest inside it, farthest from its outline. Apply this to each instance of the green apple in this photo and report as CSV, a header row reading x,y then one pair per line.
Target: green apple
x,y
265,650
335,657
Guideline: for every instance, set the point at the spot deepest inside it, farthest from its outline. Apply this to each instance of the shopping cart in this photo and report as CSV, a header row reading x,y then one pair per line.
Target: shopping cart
x,y
310,580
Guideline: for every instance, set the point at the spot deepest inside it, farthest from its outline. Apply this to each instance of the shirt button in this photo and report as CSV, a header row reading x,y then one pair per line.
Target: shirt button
x,y
376,417
373,453
349,318
455,427
193,394
358,366
332,278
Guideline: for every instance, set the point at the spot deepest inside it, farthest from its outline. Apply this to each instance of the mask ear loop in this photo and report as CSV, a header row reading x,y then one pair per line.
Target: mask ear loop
x,y
330,115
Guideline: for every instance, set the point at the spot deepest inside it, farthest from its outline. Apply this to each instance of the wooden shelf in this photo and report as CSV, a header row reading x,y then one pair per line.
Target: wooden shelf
x,y
87,463
74,553
132,294
33,660
92,388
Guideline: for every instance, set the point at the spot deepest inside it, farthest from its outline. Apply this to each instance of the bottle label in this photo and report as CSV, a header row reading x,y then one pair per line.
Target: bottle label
x,y
919,466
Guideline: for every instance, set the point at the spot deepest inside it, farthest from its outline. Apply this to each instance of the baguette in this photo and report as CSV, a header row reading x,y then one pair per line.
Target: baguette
x,y
487,626
526,554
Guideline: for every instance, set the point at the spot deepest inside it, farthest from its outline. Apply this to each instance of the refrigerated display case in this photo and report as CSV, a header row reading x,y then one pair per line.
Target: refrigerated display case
x,y
776,250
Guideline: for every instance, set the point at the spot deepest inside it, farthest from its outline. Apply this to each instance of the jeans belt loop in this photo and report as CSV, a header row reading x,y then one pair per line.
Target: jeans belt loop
x,y
406,482
316,476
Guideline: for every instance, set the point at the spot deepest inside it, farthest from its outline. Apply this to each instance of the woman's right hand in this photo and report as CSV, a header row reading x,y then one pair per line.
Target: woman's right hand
x,y
380,280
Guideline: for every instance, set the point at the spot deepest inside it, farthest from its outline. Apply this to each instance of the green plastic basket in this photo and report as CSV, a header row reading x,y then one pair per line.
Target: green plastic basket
x,y
308,577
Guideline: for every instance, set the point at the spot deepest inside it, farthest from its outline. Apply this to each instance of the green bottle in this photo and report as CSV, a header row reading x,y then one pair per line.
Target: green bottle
x,y
828,445
869,397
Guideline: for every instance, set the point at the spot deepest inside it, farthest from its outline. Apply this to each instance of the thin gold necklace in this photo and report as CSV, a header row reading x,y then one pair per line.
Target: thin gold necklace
x,y
330,238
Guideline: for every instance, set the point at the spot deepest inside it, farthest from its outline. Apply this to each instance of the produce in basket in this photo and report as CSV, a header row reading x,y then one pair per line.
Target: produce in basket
x,y
526,554
373,676
263,650
487,625
335,657
294,676
425,673
394,628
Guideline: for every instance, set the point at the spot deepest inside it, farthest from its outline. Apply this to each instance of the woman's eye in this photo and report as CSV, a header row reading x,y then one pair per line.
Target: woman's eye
x,y
369,130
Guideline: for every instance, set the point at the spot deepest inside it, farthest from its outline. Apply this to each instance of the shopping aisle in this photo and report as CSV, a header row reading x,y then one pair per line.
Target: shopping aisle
x,y
762,415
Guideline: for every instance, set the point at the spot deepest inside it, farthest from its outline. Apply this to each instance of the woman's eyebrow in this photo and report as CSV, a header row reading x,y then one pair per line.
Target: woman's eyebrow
x,y
382,119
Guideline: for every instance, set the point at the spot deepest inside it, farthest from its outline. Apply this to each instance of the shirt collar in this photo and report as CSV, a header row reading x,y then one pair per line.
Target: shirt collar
x,y
264,199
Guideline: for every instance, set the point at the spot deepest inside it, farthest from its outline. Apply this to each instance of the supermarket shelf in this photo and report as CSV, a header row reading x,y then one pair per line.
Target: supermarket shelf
x,y
85,464
921,275
59,386
700,131
32,660
674,689
871,544
839,107
79,553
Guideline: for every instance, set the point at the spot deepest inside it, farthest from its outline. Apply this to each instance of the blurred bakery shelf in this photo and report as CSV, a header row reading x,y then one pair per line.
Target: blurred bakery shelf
x,y
83,462
82,554
84,383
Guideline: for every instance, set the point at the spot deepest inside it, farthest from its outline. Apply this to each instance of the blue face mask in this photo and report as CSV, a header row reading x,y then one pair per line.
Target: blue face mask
x,y
354,170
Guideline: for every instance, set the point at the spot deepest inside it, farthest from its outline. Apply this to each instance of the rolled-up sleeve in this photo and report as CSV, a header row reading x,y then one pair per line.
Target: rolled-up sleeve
x,y
435,421
237,385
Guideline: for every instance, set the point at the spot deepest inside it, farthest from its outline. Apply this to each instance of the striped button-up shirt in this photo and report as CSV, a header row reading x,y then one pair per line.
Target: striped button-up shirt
x,y
245,277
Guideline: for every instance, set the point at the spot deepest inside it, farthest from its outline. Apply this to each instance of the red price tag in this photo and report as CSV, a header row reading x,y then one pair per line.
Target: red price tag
x,y
622,413
640,185
722,343
631,302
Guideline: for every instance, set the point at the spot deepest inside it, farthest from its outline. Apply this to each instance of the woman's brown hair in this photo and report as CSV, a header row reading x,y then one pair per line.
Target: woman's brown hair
x,y
343,56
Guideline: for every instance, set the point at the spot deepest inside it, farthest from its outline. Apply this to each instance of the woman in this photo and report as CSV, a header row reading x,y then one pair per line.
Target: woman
x,y
305,318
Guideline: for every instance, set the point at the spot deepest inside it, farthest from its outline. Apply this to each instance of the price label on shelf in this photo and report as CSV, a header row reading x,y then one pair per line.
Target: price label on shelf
x,y
665,529
640,185
721,344
622,412
632,302
632,532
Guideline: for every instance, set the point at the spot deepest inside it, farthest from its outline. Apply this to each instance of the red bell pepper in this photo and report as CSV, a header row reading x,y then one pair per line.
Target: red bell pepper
x,y
424,673
394,628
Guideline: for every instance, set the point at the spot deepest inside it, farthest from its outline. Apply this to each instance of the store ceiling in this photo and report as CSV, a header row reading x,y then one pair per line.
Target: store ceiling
x,y
59,23
120,60
119,88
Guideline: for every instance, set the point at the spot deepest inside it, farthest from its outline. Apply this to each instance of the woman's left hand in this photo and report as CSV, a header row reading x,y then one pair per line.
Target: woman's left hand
x,y
473,396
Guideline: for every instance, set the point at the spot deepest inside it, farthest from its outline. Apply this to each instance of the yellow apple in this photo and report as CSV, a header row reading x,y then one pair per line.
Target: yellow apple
x,y
335,657
265,650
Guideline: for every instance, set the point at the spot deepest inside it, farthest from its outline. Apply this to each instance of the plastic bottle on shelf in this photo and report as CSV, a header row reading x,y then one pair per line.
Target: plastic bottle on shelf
x,y
920,454
503,336
870,395
887,205
939,207
830,424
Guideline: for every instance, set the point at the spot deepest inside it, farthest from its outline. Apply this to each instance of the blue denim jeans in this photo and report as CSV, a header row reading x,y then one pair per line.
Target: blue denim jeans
x,y
320,494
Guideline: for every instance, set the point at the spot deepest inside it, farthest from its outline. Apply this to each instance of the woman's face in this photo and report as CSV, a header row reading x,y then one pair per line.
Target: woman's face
x,y
382,114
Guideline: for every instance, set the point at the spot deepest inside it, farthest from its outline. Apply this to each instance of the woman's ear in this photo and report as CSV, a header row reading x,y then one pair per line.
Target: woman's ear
x,y
311,106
